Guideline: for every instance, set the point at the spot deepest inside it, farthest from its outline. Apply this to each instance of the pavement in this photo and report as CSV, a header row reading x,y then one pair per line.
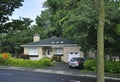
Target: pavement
x,y
62,68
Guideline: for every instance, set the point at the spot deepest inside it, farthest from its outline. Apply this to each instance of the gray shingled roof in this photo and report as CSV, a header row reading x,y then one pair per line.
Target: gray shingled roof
x,y
52,41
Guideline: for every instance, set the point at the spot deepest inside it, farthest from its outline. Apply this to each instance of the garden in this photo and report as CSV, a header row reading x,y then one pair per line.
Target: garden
x,y
7,60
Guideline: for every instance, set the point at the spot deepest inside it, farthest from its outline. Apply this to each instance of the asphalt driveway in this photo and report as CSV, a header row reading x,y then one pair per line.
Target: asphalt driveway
x,y
65,67
61,66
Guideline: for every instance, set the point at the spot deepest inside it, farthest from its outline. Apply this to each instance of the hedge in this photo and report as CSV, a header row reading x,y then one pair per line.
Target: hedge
x,y
110,66
9,61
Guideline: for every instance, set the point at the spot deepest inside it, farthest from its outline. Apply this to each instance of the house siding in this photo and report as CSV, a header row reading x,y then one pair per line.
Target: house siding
x,y
67,50
26,50
40,52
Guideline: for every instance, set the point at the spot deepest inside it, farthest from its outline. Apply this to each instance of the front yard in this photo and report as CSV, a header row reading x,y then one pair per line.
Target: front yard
x,y
6,59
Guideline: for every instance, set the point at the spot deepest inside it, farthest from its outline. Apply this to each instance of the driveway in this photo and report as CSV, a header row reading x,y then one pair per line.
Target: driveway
x,y
65,67
61,66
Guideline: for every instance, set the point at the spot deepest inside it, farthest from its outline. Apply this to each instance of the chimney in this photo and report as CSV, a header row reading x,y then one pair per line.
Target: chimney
x,y
36,38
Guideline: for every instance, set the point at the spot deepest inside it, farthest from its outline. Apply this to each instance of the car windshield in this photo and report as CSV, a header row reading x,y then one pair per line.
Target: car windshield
x,y
77,59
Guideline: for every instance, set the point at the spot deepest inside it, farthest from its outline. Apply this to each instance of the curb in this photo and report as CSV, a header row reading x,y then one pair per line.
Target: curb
x,y
54,72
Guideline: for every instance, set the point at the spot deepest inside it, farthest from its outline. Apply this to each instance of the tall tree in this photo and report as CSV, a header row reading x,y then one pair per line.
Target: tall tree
x,y
78,20
17,32
6,9
100,42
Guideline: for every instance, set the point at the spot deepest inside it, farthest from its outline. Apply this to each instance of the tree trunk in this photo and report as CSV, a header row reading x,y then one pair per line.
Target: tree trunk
x,y
100,43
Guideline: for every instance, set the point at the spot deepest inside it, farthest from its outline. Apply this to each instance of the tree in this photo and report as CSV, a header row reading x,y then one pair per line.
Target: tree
x,y
6,9
78,20
17,33
100,43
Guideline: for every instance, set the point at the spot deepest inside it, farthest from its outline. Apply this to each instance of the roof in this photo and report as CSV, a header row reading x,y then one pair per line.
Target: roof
x,y
51,42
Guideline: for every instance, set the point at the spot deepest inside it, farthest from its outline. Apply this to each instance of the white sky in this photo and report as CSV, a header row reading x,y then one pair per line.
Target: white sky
x,y
30,9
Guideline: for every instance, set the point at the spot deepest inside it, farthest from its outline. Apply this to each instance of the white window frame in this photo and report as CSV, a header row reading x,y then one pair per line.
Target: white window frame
x,y
33,51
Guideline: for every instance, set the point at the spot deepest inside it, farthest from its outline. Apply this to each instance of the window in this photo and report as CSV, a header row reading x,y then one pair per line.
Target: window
x,y
59,51
33,51
76,53
71,52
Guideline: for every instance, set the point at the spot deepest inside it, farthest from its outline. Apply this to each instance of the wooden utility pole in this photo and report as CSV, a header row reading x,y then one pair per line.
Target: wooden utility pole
x,y
100,43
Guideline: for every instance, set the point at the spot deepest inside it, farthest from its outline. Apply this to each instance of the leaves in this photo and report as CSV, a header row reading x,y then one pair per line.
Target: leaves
x,y
7,7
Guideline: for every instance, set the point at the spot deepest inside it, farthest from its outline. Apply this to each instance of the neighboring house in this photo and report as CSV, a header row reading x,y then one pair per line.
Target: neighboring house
x,y
55,46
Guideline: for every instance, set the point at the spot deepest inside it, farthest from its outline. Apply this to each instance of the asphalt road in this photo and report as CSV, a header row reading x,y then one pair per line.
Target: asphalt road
x,y
27,76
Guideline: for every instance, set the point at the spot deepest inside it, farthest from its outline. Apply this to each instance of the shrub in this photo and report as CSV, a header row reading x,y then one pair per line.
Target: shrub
x,y
90,65
112,66
29,63
45,61
24,56
25,63
3,58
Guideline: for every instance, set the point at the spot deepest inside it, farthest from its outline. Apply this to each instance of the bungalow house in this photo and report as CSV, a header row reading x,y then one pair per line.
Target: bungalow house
x,y
63,48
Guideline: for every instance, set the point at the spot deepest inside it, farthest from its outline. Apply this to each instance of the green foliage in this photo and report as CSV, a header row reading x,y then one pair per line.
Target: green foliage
x,y
45,61
6,9
3,60
56,58
110,66
17,32
9,55
78,20
25,63
90,65
24,56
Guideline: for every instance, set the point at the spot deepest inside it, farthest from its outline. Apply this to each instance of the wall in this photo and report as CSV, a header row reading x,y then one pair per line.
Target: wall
x,y
67,50
39,50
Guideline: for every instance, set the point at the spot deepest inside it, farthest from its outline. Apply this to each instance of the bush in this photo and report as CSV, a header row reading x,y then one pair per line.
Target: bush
x,y
110,66
29,63
3,58
90,65
45,61
25,63
24,56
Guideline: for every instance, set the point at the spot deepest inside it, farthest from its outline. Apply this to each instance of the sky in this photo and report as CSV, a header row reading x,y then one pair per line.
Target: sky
x,y
30,9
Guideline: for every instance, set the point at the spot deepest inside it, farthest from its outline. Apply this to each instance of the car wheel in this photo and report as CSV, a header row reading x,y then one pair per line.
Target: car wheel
x,y
70,67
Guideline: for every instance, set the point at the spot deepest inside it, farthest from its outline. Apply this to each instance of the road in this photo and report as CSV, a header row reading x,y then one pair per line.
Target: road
x,y
27,76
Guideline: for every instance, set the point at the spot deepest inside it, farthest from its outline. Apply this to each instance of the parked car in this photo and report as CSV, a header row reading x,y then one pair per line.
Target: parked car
x,y
76,62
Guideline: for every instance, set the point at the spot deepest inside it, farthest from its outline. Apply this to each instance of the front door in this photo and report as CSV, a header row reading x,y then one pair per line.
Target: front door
x,y
48,53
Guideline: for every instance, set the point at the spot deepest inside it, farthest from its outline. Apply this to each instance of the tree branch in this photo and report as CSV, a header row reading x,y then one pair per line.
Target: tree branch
x,y
96,4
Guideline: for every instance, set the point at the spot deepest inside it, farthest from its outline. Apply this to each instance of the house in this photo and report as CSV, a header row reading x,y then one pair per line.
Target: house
x,y
63,48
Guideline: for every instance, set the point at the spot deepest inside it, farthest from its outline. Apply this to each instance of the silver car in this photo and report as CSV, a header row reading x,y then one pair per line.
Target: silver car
x,y
76,62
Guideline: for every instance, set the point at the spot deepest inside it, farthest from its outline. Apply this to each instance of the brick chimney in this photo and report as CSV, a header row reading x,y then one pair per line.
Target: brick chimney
x,y
36,38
